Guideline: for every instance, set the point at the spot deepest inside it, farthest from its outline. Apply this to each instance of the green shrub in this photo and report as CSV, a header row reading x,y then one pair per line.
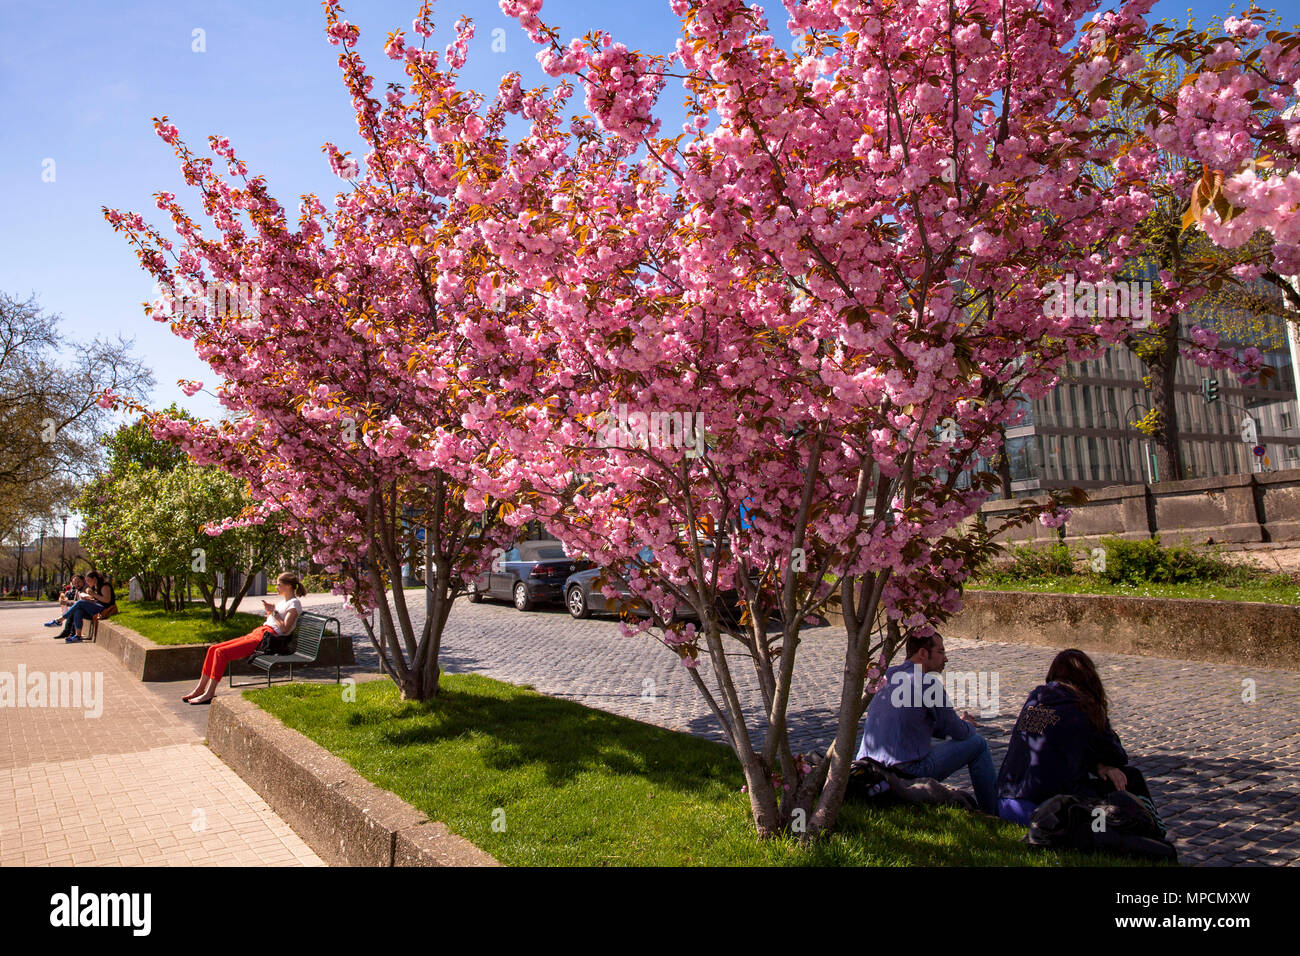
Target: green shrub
x,y
319,583
1150,562
1029,562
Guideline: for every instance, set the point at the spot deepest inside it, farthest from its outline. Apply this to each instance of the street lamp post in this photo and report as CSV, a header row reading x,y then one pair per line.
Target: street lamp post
x,y
63,547
1133,408
40,565
1123,452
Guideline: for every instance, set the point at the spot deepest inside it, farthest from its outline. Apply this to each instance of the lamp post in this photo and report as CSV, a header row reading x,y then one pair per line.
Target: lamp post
x,y
1123,452
1133,408
63,547
40,565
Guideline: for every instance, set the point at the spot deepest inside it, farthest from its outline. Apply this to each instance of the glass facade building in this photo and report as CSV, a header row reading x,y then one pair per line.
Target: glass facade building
x,y
1081,433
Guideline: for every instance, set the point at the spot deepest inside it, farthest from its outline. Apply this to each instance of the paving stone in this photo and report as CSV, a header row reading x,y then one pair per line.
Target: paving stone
x,y
120,788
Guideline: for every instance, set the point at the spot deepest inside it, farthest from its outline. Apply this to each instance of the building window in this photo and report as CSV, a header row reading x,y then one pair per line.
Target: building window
x,y
1022,454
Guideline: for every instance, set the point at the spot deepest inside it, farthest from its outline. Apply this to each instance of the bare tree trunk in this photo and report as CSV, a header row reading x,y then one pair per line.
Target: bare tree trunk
x,y
1169,465
1002,462
227,613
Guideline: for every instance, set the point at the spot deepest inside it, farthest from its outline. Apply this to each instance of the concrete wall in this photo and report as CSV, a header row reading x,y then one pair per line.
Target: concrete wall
x,y
1225,632
148,661
1235,509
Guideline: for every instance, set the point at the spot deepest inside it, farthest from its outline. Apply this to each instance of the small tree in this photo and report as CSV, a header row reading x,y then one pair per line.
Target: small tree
x,y
367,356
49,418
144,519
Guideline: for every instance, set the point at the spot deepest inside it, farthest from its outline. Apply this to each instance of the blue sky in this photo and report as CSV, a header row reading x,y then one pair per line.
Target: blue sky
x,y
79,82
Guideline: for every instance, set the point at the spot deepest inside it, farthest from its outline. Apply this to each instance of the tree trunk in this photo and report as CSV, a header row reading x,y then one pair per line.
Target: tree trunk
x,y
1169,465
229,612
1003,463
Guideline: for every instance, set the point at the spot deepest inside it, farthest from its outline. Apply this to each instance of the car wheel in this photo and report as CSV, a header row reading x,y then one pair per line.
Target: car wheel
x,y
577,604
523,600
474,594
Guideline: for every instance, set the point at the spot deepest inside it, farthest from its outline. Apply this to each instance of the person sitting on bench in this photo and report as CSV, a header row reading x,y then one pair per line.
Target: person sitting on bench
x,y
911,710
99,594
68,596
1061,739
281,619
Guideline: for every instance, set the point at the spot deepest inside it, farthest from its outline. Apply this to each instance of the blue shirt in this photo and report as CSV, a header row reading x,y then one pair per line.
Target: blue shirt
x,y
908,712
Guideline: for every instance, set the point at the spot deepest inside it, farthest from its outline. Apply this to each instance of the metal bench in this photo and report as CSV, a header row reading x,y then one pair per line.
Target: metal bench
x,y
308,636
93,631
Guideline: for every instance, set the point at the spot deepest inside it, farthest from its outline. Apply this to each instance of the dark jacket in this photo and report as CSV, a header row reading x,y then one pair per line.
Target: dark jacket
x,y
1054,747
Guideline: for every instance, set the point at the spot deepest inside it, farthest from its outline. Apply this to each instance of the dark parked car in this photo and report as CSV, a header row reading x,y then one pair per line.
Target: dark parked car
x,y
582,596
530,573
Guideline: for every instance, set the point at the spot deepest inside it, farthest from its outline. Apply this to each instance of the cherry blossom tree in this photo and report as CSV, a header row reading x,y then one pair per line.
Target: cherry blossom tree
x,y
840,269
772,348
1202,290
346,361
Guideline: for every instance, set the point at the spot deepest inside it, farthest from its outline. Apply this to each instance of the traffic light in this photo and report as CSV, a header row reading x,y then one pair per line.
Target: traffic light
x,y
1210,389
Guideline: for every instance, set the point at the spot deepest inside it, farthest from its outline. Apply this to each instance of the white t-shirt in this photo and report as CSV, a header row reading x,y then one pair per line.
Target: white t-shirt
x,y
283,609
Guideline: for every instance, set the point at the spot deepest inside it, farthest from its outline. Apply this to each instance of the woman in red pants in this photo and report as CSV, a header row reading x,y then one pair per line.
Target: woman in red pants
x,y
281,619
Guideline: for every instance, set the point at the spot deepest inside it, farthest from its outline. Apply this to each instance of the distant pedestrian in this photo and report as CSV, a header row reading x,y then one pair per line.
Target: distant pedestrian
x,y
97,595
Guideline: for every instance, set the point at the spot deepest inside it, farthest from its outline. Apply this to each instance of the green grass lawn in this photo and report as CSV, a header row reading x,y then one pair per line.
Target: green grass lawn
x,y
1273,590
581,787
192,625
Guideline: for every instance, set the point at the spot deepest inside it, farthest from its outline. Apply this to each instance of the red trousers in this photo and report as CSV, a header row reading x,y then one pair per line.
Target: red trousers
x,y
236,649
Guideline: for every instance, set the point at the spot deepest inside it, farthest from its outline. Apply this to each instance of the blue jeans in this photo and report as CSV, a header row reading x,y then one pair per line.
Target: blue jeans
x,y
83,611
946,757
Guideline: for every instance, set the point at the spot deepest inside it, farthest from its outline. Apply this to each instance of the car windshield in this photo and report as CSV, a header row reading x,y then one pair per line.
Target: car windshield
x,y
541,551
647,556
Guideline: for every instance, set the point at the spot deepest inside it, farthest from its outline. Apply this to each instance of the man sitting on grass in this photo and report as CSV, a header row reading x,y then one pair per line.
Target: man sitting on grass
x,y
911,710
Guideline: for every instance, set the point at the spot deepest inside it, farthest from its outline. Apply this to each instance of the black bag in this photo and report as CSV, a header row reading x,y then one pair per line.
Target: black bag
x,y
865,781
871,780
1117,823
273,643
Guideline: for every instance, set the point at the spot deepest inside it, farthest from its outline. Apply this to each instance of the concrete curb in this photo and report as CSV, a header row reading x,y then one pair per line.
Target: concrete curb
x,y
346,819
147,661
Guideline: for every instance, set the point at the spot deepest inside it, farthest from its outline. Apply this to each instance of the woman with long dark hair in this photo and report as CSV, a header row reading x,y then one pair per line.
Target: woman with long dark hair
x,y
1063,743
97,596
276,631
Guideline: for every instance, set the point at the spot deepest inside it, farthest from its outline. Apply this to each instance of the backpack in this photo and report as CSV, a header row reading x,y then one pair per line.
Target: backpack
x,y
1117,823
865,780
869,779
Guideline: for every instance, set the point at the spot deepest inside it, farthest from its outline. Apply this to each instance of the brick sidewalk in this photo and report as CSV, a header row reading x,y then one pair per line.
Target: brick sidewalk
x,y
1225,773
133,786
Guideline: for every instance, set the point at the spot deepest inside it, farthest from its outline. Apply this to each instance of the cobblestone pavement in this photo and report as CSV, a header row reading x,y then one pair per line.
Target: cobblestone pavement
x,y
1225,772
133,785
